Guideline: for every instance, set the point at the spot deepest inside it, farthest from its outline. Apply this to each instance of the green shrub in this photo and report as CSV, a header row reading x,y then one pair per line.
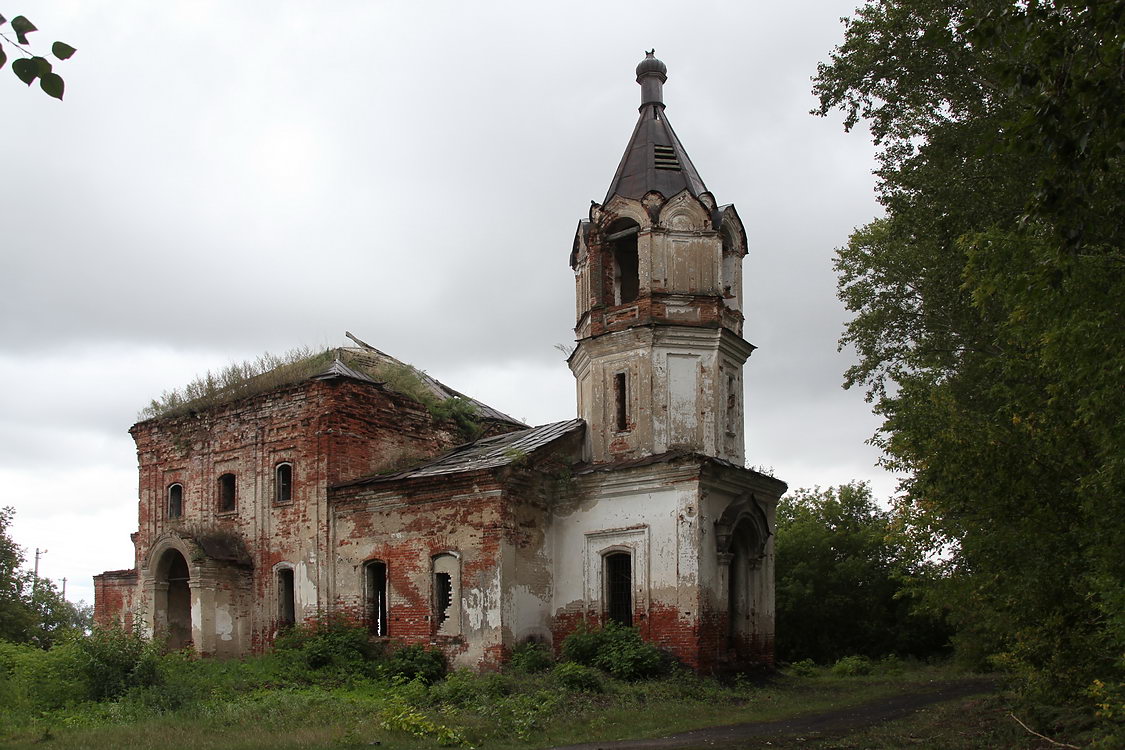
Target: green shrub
x,y
414,662
850,666
114,661
802,668
464,687
531,657
330,643
616,649
33,680
574,676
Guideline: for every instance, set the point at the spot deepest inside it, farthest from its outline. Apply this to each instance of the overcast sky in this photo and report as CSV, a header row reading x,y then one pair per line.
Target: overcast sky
x,y
228,178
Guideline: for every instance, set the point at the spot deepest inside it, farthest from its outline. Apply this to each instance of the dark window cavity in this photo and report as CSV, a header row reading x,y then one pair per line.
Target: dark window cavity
x,y
622,236
375,587
175,501
286,603
226,493
283,483
621,401
618,568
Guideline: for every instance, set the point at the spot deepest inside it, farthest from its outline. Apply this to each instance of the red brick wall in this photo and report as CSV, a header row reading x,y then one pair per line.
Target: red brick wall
x,y
331,431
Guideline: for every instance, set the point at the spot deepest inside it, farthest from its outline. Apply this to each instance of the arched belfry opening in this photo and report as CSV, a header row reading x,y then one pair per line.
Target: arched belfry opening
x,y
172,615
621,237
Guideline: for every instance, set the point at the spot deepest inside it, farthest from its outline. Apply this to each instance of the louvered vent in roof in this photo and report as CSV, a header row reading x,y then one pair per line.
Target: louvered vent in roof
x,y
666,158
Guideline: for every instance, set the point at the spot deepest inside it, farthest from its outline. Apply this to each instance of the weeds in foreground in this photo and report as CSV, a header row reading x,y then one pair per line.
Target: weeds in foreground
x,y
324,686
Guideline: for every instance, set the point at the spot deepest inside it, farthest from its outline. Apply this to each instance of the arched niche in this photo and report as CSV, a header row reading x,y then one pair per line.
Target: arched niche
x,y
741,533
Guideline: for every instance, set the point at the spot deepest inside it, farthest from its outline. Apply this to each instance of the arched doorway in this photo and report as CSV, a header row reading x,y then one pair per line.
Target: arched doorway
x,y
173,599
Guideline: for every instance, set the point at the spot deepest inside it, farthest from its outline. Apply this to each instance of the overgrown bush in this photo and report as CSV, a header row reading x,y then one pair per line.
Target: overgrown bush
x,y
464,687
616,649
32,679
802,668
414,662
850,666
574,676
531,657
330,643
112,661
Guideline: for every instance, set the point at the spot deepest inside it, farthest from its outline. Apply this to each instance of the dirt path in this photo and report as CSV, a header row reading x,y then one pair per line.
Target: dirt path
x,y
838,721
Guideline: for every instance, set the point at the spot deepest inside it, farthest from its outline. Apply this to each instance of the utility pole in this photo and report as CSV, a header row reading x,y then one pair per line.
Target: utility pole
x,y
35,580
64,588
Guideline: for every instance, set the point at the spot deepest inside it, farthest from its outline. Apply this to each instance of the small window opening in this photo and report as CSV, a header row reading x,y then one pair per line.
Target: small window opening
x,y
175,501
665,158
619,587
732,397
283,483
375,575
621,401
286,606
226,493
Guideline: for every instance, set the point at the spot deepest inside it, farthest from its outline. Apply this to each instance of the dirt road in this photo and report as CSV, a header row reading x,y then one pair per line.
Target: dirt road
x,y
838,721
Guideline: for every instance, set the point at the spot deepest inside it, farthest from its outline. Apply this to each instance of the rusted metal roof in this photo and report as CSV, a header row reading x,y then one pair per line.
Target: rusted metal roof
x,y
489,453
654,159
338,369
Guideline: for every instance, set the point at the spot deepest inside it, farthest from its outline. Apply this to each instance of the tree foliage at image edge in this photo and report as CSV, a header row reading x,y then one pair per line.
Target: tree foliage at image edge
x,y
988,313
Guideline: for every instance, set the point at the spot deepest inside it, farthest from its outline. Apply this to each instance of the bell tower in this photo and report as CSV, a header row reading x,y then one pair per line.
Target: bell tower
x,y
658,272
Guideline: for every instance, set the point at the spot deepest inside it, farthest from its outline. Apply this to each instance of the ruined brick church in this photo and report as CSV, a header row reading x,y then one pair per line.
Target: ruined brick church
x,y
334,488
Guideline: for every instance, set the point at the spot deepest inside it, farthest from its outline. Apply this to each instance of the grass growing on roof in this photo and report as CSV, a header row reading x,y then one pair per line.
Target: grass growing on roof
x,y
268,371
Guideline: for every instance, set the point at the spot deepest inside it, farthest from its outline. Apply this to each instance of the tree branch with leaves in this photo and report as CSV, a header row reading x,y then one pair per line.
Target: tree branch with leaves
x,y
31,66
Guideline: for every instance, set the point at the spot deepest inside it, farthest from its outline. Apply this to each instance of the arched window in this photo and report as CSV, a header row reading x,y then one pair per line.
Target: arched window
x,y
283,483
617,572
622,238
286,599
375,597
447,594
227,497
175,500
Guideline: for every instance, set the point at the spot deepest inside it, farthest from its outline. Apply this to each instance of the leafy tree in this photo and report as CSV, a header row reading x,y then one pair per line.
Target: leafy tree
x,y
841,567
16,617
32,66
988,313
32,612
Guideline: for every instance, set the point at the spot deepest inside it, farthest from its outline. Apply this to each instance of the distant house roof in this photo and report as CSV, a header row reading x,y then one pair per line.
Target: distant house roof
x,y
489,453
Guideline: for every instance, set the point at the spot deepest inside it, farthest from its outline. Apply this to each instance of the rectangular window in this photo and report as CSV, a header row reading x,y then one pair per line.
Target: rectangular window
x,y
376,584
621,401
226,493
618,571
